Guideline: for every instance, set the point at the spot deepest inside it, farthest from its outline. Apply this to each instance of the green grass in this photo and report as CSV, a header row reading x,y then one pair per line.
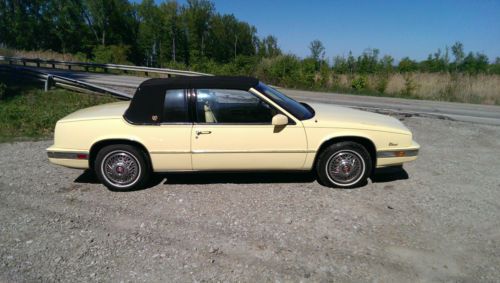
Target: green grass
x,y
27,113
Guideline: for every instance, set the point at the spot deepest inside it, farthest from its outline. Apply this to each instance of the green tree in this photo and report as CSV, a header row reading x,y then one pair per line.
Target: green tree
x,y
115,54
230,38
435,62
66,22
4,23
268,47
150,31
172,37
340,65
367,63
317,50
111,21
458,52
282,70
308,69
197,16
193,35
407,65
24,24
386,64
495,67
474,63
351,63
446,58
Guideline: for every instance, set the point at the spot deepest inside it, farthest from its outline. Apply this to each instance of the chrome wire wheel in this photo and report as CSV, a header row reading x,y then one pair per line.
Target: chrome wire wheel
x,y
345,167
121,168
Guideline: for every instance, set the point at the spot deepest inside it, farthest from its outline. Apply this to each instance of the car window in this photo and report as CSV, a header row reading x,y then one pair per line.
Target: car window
x,y
232,106
297,109
175,109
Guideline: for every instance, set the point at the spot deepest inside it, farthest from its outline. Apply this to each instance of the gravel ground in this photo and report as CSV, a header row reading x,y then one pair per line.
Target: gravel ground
x,y
438,220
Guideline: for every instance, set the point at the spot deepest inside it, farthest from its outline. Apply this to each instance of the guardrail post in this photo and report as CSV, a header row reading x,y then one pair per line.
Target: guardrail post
x,y
53,66
146,73
24,63
38,64
49,82
69,67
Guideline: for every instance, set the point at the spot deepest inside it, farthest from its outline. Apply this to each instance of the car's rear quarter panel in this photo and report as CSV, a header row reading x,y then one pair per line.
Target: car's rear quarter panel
x,y
167,145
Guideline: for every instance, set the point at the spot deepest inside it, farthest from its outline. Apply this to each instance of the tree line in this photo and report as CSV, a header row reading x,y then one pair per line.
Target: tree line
x,y
142,33
195,36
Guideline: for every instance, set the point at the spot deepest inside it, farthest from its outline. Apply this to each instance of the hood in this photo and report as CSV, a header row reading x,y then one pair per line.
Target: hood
x,y
331,116
103,111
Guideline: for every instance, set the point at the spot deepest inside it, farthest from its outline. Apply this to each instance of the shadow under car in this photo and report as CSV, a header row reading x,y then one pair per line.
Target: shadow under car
x,y
381,175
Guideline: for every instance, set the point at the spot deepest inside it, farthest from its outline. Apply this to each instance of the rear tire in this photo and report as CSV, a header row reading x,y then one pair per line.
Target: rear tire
x,y
344,165
122,167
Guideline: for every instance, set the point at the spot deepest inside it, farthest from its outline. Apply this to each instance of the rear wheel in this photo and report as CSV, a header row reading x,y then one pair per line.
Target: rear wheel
x,y
122,167
344,165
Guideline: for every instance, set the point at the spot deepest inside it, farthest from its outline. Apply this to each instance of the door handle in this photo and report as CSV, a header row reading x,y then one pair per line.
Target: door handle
x,y
203,133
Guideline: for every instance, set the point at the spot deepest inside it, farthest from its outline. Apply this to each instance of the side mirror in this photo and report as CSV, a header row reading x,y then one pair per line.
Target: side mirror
x,y
280,120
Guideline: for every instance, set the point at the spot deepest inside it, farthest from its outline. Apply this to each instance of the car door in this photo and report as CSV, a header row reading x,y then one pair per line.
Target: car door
x,y
233,131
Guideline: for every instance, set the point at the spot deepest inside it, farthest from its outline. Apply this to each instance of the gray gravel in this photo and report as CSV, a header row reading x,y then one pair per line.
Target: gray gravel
x,y
439,220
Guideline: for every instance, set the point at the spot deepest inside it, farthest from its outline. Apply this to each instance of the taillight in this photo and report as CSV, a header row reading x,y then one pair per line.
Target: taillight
x,y
82,156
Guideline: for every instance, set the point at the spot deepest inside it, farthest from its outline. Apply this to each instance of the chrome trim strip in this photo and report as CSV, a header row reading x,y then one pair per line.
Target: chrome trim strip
x,y
170,152
229,151
253,151
234,124
392,153
67,154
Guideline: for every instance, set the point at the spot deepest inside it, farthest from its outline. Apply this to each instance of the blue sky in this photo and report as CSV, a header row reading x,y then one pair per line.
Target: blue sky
x,y
399,28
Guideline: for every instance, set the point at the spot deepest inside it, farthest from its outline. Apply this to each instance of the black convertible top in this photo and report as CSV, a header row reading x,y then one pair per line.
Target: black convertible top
x,y
146,106
217,82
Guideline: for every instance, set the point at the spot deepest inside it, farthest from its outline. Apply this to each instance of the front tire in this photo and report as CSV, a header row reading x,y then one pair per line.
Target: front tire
x,y
344,165
122,167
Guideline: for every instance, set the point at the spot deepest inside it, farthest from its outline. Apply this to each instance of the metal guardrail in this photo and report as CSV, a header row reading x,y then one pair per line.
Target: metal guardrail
x,y
86,66
12,71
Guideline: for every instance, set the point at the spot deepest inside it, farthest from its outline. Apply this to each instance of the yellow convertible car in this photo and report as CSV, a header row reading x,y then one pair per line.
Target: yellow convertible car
x,y
226,124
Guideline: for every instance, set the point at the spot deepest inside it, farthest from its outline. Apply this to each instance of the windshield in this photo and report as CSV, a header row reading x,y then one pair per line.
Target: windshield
x,y
295,108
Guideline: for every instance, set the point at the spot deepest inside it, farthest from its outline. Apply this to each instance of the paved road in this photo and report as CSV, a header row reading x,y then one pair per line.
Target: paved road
x,y
484,114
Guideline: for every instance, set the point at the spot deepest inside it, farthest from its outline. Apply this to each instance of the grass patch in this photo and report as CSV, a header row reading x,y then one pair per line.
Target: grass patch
x,y
27,113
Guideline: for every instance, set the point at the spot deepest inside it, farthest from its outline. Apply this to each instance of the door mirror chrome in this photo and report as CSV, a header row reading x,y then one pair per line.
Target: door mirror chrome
x,y
280,120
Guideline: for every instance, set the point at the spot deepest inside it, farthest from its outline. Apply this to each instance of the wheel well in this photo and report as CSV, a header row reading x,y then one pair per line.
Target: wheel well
x,y
100,144
368,144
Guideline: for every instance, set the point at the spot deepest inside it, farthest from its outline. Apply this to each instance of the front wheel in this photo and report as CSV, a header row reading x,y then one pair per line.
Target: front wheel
x,y
344,165
122,167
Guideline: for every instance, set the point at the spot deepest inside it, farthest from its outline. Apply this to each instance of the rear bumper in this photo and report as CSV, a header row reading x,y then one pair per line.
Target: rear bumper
x,y
397,156
69,158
